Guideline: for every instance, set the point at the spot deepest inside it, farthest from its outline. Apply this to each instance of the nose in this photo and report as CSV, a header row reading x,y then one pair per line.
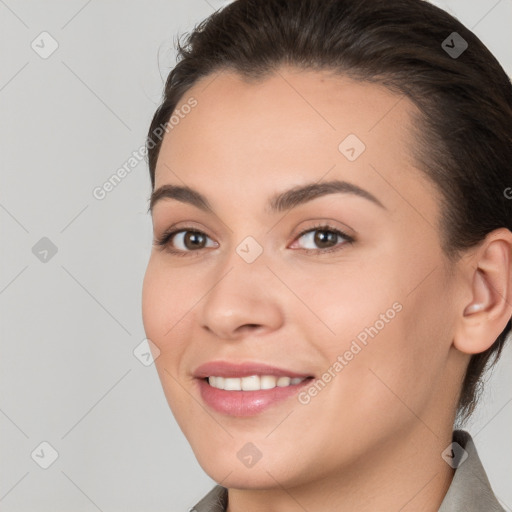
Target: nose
x,y
244,299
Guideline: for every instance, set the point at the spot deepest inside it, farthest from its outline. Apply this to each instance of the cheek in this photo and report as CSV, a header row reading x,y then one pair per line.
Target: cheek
x,y
167,298
163,305
347,302
363,341
400,368
154,300
390,344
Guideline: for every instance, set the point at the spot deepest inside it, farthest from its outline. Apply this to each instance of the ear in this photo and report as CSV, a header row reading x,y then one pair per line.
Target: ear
x,y
489,308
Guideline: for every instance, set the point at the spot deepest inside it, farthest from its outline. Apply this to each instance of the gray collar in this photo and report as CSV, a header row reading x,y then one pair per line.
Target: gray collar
x,y
470,490
215,501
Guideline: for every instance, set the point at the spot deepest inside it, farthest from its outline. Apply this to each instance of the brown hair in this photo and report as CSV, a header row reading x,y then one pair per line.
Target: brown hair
x,y
464,133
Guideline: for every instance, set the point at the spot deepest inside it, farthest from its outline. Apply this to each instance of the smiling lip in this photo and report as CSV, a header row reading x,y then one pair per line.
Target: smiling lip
x,y
244,403
225,369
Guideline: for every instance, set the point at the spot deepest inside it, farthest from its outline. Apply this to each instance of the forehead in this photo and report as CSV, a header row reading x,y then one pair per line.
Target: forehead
x,y
291,127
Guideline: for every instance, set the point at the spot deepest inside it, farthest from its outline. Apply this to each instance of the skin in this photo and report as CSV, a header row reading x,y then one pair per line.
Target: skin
x,y
372,438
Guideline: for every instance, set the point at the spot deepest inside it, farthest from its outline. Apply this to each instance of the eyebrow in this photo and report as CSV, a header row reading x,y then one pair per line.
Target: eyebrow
x,y
280,202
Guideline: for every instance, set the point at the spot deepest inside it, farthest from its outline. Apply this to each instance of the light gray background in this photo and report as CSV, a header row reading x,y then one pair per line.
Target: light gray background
x,y
69,326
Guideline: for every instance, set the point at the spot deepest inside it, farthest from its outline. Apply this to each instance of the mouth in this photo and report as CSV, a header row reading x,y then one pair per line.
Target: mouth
x,y
247,389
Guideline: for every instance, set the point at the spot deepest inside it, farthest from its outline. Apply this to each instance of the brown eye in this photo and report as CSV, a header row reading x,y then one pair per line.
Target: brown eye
x,y
194,240
184,241
323,239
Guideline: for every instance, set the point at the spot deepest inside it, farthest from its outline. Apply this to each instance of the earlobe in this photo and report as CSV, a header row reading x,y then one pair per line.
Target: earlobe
x,y
490,306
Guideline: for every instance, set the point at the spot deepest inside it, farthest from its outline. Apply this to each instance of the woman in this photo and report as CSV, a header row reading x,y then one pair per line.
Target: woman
x,y
331,266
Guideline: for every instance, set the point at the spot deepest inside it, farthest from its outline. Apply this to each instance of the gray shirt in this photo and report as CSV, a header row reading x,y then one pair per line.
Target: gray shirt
x,y
470,490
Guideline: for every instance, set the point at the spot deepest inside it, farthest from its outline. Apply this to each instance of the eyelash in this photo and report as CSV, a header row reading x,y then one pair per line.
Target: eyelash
x,y
167,236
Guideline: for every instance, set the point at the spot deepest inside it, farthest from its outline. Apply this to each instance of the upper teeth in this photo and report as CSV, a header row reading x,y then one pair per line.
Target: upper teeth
x,y
252,383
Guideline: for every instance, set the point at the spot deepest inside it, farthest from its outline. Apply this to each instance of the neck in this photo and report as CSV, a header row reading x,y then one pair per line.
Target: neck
x,y
406,474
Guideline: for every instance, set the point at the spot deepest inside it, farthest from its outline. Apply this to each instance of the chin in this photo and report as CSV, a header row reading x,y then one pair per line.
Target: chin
x,y
255,478
239,465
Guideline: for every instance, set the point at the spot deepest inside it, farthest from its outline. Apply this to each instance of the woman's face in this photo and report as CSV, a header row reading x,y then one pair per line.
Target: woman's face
x,y
267,287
